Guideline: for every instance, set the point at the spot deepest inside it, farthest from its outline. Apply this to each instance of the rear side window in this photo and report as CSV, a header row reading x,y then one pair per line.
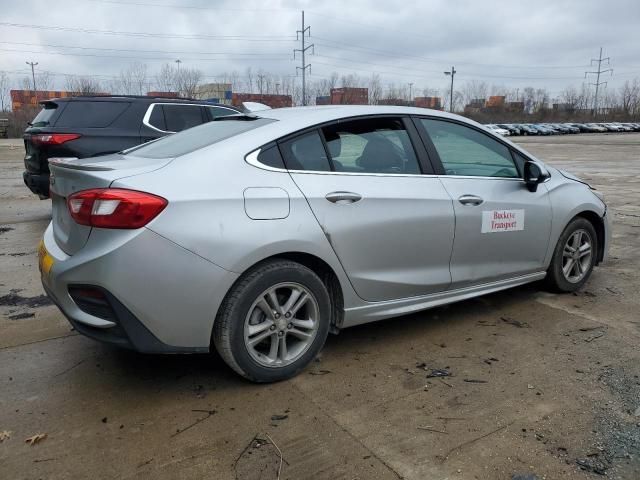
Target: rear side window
x,y
371,145
45,115
195,138
156,119
306,152
215,112
181,117
271,157
91,114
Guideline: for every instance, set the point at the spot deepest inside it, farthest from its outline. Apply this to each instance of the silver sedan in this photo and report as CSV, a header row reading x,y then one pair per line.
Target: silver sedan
x,y
258,234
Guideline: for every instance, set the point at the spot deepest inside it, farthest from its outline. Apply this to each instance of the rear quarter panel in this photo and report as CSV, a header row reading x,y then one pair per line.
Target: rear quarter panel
x,y
206,212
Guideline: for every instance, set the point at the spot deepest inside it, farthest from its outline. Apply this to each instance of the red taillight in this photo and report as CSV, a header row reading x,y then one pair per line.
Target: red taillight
x,y
114,207
53,138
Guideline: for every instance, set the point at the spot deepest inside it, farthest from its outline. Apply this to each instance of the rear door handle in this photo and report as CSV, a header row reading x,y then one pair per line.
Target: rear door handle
x,y
343,197
470,200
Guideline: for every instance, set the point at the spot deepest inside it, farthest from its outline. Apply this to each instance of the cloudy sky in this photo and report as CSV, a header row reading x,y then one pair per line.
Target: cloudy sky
x,y
544,43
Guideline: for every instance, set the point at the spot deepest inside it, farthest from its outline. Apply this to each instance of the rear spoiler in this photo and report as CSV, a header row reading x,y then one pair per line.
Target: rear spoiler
x,y
255,106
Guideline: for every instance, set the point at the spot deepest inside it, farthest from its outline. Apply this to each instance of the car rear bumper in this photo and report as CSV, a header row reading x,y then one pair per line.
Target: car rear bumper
x,y
38,183
161,298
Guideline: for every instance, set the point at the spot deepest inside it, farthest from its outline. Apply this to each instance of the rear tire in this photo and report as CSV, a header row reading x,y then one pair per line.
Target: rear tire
x,y
273,322
574,257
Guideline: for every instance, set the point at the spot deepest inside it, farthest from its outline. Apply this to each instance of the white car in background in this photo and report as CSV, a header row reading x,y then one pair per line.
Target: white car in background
x,y
500,131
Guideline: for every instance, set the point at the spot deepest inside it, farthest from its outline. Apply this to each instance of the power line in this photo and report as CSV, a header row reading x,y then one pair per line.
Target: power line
x,y
599,60
143,51
303,50
353,47
193,7
164,59
247,38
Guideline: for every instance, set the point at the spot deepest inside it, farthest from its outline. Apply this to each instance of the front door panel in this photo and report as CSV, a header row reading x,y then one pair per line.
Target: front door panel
x,y
505,235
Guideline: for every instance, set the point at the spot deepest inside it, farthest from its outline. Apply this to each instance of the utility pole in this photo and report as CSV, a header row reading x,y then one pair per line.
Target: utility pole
x,y
410,91
303,49
277,92
452,73
599,60
33,76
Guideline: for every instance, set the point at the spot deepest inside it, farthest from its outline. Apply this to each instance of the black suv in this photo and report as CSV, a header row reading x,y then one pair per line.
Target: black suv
x,y
87,126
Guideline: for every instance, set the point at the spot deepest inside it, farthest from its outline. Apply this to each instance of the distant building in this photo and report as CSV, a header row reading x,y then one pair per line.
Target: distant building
x,y
215,92
394,101
495,101
563,107
514,107
274,101
323,100
21,99
349,96
434,103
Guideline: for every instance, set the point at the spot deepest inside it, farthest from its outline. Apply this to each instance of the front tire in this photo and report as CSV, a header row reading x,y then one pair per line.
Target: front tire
x,y
574,257
273,322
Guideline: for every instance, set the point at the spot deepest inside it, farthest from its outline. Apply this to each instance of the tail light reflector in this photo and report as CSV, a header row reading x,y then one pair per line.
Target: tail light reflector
x,y
53,138
114,207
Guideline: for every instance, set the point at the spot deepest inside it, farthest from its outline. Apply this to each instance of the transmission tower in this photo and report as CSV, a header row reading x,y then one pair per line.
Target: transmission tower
x,y
598,72
300,35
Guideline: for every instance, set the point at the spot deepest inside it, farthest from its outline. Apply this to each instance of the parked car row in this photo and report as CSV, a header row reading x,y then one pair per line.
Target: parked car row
x,y
507,129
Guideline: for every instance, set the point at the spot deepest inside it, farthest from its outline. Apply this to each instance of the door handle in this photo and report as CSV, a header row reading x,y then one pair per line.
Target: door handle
x,y
343,197
470,200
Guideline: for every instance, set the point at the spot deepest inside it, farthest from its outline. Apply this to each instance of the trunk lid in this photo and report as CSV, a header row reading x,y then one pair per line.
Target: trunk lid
x,y
69,176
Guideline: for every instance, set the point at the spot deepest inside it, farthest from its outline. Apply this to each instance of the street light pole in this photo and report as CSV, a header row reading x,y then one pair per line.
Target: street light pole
x,y
410,91
452,73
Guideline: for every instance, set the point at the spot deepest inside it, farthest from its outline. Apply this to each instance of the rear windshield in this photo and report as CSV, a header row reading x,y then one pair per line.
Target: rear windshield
x,y
44,116
198,137
91,114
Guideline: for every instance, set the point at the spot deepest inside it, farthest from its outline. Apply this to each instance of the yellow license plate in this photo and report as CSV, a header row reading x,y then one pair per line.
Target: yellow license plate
x,y
45,261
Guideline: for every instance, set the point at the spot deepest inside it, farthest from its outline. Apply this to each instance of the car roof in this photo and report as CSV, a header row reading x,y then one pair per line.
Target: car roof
x,y
139,98
303,117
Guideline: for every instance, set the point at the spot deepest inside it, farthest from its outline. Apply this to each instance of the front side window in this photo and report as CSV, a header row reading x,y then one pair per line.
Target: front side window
x,y
465,151
371,145
181,117
306,152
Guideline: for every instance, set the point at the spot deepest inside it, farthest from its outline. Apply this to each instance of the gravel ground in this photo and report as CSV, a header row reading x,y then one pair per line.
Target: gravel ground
x,y
538,384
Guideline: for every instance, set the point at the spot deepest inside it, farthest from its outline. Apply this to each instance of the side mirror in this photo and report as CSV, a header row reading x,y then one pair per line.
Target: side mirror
x,y
533,175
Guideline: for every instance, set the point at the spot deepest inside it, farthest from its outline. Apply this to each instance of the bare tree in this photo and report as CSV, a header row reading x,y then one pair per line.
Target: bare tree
x,y
188,80
82,85
375,89
166,78
474,90
4,92
630,97
134,80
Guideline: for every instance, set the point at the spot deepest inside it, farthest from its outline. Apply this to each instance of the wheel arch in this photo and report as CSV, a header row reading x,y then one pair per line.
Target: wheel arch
x,y
598,224
320,268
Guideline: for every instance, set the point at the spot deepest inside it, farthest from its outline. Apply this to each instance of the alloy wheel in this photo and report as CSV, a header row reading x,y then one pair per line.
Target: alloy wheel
x,y
281,324
577,256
